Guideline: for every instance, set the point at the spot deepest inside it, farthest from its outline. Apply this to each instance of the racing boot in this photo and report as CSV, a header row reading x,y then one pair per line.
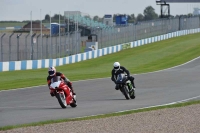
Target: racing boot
x,y
133,84
73,91
70,86
132,89
74,94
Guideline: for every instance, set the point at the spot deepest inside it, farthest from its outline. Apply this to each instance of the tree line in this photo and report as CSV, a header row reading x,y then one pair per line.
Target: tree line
x,y
148,14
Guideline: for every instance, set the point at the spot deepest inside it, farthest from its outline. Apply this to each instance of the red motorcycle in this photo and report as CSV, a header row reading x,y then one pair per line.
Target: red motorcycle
x,y
63,93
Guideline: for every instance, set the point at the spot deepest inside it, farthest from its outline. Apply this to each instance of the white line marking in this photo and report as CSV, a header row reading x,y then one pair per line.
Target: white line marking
x,y
145,107
165,104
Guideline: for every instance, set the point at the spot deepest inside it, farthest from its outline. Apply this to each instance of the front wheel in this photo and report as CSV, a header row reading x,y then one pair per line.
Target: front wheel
x,y
125,92
61,99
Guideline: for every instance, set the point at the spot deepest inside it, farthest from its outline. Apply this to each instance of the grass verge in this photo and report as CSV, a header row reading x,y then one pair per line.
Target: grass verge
x,y
102,116
146,58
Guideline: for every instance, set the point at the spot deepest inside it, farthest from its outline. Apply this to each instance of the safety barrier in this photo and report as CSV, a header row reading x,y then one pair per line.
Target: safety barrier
x,y
45,63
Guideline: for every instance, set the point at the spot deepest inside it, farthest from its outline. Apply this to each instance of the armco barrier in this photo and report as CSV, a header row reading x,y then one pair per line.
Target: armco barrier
x,y
45,63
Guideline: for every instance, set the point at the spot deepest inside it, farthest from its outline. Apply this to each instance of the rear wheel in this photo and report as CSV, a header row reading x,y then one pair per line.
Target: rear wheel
x,y
73,105
61,99
132,97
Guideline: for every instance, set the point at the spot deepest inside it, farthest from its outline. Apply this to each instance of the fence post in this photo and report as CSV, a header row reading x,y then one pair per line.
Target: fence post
x,y
59,45
76,42
179,28
101,30
199,21
56,45
32,46
37,46
42,46
47,47
26,45
68,35
70,39
10,46
50,45
2,47
18,35
65,44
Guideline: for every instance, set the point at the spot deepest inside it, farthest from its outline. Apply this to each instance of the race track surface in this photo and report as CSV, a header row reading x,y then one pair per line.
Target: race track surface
x,y
99,96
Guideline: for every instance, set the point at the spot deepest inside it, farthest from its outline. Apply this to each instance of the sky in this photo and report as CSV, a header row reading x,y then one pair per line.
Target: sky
x,y
20,10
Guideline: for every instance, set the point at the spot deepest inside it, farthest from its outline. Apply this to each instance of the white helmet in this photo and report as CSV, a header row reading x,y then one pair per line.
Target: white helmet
x,y
116,66
52,71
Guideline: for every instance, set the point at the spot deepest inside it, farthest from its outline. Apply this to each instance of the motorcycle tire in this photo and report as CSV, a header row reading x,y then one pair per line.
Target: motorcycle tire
x,y
61,100
125,92
132,97
73,105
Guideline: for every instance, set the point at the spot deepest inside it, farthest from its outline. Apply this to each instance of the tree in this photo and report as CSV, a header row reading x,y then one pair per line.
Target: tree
x,y
132,17
129,18
100,19
177,16
47,17
96,18
189,15
149,13
114,17
56,17
140,17
87,16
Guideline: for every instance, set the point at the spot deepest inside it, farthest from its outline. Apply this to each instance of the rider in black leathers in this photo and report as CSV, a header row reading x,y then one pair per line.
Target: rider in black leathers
x,y
117,69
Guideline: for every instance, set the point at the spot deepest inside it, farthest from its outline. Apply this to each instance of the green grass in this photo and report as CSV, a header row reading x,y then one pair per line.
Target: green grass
x,y
146,58
102,116
12,24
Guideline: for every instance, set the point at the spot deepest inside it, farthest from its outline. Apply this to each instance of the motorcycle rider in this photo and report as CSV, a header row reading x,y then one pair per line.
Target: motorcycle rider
x,y
117,69
52,73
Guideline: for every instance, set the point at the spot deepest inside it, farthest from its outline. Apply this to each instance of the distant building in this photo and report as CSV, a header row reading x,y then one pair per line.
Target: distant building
x,y
74,18
196,11
36,27
108,19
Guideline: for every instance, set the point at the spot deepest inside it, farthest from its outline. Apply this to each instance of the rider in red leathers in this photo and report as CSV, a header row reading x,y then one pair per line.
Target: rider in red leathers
x,y
52,73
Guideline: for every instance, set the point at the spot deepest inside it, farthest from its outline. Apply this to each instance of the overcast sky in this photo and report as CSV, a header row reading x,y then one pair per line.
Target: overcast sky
x,y
20,9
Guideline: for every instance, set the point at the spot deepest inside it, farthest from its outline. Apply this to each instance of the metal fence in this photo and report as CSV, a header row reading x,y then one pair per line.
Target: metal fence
x,y
145,29
15,47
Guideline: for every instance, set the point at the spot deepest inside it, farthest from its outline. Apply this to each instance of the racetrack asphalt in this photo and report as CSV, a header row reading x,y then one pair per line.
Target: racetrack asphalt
x,y
98,96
